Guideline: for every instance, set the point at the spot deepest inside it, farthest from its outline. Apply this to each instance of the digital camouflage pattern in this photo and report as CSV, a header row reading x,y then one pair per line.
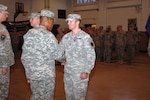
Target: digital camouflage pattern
x,y
80,57
71,17
38,58
47,13
131,37
6,60
108,42
42,90
120,42
3,8
34,14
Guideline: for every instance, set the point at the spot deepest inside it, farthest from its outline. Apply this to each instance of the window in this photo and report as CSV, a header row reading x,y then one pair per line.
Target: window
x,y
61,13
85,1
19,7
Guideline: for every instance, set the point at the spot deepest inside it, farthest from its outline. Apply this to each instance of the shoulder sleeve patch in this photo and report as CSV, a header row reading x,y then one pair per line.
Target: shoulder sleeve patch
x,y
91,42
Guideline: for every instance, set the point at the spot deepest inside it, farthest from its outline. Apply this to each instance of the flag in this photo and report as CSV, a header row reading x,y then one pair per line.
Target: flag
x,y
148,25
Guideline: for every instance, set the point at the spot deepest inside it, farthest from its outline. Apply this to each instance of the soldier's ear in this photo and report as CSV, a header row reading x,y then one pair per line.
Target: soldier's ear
x,y
78,22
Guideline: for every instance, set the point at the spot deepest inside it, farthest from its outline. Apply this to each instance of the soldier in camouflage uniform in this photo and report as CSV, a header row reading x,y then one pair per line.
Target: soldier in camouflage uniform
x,y
34,19
108,43
38,57
131,37
96,39
101,34
6,55
120,42
80,59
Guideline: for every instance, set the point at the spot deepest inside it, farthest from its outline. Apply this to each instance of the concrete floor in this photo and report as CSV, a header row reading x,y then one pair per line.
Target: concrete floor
x,y
108,81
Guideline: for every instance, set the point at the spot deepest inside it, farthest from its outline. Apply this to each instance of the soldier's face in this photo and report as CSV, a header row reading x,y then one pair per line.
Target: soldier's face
x,y
34,21
3,16
119,29
51,23
72,24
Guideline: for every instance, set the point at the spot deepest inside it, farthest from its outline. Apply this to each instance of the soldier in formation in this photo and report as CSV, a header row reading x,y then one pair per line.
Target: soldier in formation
x,y
112,46
130,45
120,43
108,44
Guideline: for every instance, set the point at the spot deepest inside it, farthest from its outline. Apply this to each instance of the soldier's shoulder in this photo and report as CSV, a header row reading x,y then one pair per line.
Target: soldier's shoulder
x,y
66,36
84,34
31,32
3,28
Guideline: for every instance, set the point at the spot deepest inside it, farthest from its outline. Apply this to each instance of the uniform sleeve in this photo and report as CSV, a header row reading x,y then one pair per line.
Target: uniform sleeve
x,y
52,44
90,54
25,56
61,51
6,52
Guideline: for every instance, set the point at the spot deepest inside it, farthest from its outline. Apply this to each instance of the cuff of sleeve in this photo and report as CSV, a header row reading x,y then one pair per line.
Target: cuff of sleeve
x,y
4,66
88,71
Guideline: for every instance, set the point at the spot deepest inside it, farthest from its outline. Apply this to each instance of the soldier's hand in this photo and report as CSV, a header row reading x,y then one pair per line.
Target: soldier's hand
x,y
28,81
63,63
84,75
4,71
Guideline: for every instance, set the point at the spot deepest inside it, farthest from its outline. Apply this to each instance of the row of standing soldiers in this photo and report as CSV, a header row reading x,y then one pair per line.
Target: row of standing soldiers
x,y
119,45
109,45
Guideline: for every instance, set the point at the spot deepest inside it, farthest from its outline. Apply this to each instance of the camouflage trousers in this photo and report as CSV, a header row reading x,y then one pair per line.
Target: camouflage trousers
x,y
97,50
4,85
75,88
120,52
130,52
43,89
107,53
